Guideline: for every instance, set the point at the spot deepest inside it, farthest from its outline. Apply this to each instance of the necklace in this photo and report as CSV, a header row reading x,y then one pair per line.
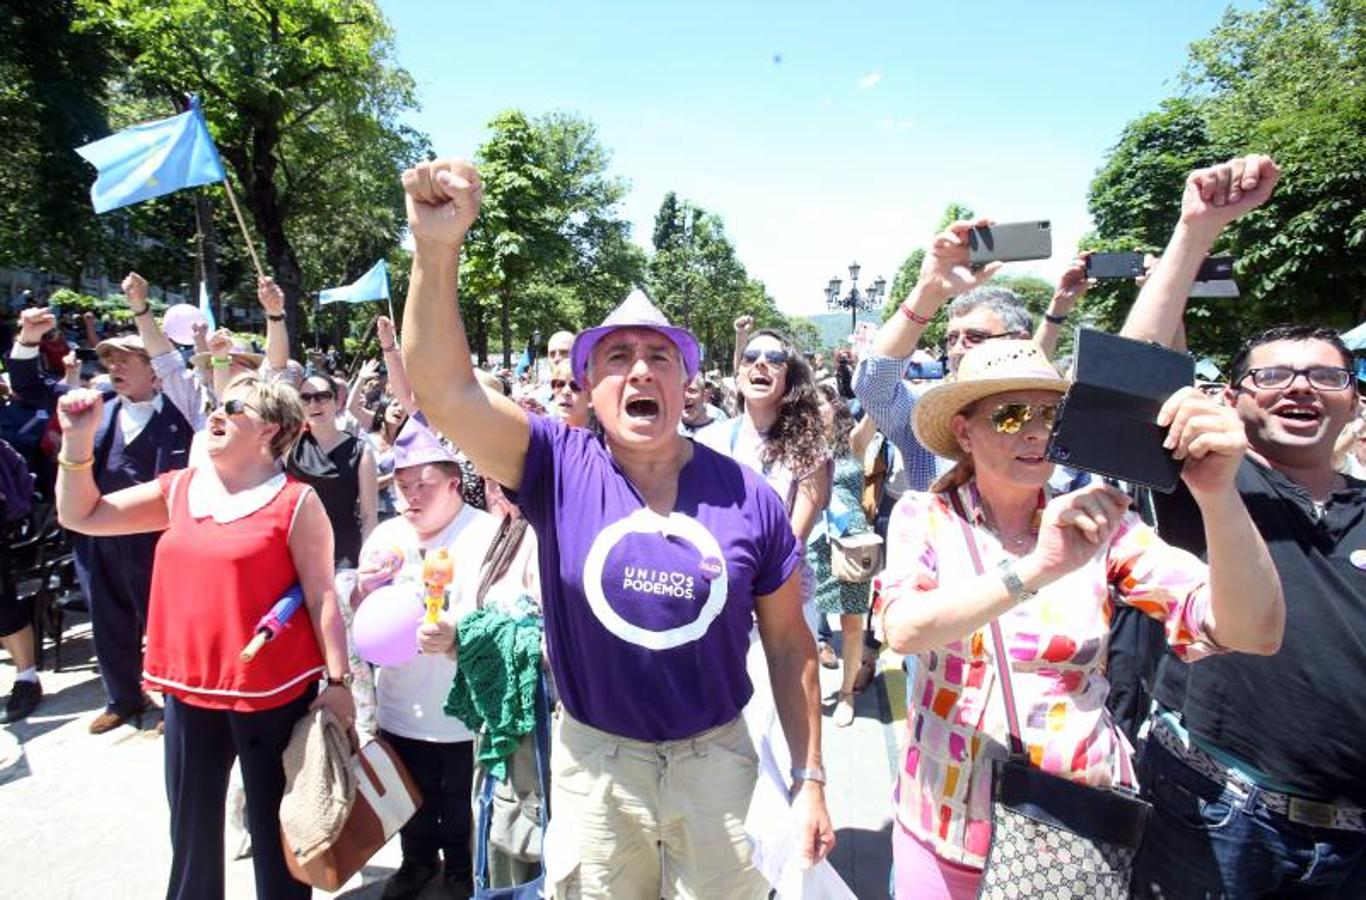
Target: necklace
x,y
1013,542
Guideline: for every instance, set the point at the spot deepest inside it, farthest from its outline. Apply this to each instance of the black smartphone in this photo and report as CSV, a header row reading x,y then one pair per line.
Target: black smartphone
x,y
1114,265
1010,242
1215,268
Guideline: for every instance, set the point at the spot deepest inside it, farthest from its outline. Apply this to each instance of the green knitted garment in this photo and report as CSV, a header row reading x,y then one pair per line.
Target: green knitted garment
x,y
498,663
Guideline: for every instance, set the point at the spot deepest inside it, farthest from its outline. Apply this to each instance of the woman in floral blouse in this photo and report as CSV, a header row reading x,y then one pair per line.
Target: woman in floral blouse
x,y
1054,567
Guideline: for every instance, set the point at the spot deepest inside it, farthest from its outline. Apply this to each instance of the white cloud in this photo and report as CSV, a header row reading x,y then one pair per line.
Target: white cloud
x,y
893,125
869,81
825,103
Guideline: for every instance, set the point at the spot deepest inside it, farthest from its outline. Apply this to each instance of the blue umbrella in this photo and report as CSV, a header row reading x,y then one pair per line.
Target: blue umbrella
x,y
274,621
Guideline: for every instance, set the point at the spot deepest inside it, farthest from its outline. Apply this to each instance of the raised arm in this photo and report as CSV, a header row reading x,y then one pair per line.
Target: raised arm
x,y
743,326
1213,198
272,301
944,274
1246,606
1071,286
399,387
443,200
355,397
136,294
80,506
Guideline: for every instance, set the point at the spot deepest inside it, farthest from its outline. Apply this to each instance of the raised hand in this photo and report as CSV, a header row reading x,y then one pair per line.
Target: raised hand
x,y
1071,286
221,342
443,200
79,413
744,325
384,328
34,323
1075,527
946,271
1208,436
269,295
1216,196
134,288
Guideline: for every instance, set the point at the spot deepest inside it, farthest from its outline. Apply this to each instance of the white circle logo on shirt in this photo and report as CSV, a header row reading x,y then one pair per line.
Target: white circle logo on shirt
x,y
665,583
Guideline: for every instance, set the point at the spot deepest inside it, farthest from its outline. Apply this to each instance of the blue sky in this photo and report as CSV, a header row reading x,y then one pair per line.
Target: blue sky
x,y
820,132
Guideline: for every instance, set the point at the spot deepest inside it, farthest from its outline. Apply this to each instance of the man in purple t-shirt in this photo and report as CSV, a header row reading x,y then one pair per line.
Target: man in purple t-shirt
x,y
656,557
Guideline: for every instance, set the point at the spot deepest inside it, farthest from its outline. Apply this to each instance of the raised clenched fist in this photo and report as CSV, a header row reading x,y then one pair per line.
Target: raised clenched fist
x,y
443,200
135,291
1216,196
79,413
34,323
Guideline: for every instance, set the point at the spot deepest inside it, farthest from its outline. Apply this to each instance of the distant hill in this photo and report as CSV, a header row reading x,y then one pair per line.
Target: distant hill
x,y
834,327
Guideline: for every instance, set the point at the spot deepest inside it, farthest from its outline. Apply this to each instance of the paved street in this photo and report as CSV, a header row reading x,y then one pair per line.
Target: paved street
x,y
85,816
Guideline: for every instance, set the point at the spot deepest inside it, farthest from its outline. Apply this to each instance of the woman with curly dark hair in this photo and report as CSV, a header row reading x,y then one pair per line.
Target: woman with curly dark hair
x,y
780,433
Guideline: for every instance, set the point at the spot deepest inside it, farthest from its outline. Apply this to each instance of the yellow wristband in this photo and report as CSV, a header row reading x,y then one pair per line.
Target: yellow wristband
x,y
75,466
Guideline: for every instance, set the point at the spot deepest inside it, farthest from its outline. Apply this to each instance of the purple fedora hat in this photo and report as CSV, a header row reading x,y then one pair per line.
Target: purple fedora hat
x,y
636,311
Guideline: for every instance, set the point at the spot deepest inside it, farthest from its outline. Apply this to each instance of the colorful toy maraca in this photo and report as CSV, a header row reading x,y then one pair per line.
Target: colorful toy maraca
x,y
437,571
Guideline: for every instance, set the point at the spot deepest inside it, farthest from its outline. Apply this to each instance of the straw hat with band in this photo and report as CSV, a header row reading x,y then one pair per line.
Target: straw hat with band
x,y
636,311
993,367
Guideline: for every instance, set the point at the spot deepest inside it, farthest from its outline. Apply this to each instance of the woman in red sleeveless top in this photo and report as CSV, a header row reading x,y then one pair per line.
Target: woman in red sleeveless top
x,y
237,534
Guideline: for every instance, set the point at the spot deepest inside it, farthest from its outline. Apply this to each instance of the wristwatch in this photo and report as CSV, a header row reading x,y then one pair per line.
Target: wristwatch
x,y
275,317
817,774
344,681
1018,592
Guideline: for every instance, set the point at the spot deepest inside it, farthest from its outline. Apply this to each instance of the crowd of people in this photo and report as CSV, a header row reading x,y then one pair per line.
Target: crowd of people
x,y
659,525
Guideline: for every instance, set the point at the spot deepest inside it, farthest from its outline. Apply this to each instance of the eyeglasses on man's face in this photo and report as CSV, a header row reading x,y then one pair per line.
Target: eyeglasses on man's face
x,y
1324,378
971,337
236,407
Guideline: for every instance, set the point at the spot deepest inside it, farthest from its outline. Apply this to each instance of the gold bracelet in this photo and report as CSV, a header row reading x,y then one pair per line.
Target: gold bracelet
x,y
75,466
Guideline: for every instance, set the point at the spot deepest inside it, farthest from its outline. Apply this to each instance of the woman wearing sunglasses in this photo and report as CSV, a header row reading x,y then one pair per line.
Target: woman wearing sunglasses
x,y
1052,567
339,466
780,433
236,534
568,400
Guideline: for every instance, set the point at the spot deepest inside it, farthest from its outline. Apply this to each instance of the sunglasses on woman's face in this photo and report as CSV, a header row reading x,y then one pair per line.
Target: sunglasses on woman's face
x,y
1009,418
559,384
319,396
772,357
236,407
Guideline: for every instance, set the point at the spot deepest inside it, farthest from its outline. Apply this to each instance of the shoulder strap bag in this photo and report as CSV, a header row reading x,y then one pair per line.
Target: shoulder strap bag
x,y
1051,836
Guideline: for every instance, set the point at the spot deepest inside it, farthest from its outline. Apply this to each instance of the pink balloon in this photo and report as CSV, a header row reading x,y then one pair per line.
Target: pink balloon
x,y
179,321
385,626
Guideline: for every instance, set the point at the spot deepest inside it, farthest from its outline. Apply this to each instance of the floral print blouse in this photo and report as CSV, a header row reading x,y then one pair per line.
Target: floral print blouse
x,y
1057,642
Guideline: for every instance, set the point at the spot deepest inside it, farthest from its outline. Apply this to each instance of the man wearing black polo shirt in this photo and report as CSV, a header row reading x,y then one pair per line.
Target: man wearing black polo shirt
x,y
1256,766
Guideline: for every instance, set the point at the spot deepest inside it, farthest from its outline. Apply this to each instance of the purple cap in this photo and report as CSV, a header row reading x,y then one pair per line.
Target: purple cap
x,y
417,445
636,311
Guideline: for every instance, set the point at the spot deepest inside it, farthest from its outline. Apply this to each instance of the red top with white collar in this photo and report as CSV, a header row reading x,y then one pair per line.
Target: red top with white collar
x,y
220,566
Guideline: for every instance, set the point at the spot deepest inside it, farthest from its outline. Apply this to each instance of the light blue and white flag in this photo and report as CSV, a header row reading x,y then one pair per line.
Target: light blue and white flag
x,y
373,285
153,159
206,307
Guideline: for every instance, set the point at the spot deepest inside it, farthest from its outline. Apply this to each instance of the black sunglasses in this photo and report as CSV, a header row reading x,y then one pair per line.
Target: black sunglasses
x,y
773,357
971,337
559,384
319,395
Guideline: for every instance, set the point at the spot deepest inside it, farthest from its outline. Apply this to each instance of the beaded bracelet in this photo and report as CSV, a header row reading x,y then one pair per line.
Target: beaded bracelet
x,y
913,315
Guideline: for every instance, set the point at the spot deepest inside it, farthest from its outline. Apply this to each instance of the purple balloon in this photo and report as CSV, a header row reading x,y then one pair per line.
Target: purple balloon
x,y
385,626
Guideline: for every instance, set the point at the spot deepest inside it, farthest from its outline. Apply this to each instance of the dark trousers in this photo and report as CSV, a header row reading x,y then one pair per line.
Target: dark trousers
x,y
444,773
200,747
116,575
1208,841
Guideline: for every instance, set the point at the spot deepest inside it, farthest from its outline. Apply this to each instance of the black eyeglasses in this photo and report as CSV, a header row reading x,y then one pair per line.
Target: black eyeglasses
x,y
1325,378
236,407
772,357
1009,418
971,337
559,384
319,396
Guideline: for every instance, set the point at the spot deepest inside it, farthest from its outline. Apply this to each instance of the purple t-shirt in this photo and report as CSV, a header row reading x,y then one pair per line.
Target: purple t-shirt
x,y
648,617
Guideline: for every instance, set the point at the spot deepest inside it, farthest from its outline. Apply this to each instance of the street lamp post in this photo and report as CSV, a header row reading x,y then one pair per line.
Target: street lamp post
x,y
855,300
